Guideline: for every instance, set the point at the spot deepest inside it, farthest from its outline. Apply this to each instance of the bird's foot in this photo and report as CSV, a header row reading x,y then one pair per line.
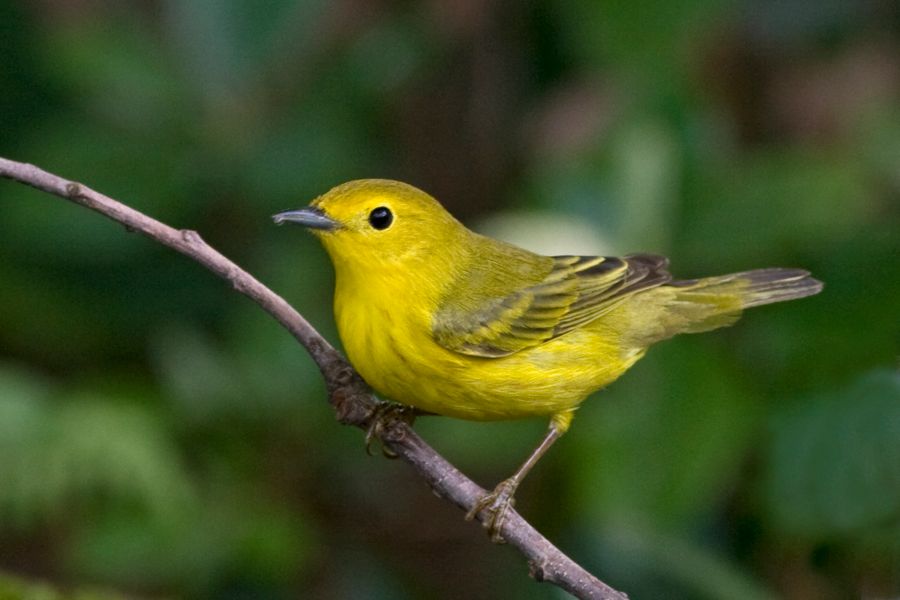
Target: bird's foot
x,y
495,505
383,417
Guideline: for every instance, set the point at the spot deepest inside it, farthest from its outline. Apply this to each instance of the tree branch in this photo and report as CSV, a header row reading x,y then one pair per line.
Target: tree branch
x,y
349,395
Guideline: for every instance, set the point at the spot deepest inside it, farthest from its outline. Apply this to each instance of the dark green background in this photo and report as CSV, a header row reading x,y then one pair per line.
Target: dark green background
x,y
162,437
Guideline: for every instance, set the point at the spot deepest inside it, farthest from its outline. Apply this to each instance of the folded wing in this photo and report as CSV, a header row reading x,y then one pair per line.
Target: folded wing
x,y
576,291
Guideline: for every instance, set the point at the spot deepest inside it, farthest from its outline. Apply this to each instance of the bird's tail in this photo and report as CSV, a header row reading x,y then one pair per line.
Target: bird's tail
x,y
695,305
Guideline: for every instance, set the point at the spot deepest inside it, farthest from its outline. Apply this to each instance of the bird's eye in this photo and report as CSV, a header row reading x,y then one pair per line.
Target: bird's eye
x,y
381,217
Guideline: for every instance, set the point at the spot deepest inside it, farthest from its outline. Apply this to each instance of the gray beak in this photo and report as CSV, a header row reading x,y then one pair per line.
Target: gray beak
x,y
310,217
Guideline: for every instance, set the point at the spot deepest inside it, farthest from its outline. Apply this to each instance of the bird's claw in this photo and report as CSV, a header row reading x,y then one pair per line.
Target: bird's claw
x,y
382,417
496,505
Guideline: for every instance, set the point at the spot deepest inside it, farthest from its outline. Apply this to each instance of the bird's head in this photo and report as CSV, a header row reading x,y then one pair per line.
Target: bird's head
x,y
373,222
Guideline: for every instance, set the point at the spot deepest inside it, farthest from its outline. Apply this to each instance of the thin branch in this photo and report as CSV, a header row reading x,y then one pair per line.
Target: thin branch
x,y
349,395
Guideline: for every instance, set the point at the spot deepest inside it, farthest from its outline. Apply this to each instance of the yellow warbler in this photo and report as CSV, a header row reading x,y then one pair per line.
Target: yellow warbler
x,y
450,322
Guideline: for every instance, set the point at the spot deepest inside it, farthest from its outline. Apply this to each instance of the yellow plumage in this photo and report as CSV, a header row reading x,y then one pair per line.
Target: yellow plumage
x,y
437,317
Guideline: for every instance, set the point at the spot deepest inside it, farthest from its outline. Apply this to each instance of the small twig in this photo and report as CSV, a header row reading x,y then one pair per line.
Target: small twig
x,y
349,395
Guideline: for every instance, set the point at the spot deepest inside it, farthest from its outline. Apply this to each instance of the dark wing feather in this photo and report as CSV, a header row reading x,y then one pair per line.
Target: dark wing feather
x,y
576,291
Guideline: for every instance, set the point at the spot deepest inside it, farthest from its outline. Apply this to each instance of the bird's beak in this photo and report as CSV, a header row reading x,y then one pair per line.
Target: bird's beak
x,y
311,217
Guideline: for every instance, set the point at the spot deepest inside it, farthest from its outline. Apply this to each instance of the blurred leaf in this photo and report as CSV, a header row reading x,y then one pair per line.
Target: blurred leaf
x,y
663,446
23,416
115,71
650,561
879,144
87,449
198,374
23,405
646,171
641,37
312,152
387,55
773,202
223,42
15,588
834,460
230,537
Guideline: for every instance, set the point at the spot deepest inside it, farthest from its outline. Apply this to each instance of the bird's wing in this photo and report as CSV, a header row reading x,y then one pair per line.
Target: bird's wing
x,y
577,290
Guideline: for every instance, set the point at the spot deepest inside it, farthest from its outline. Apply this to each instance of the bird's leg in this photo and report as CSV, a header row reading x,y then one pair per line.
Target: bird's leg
x,y
497,503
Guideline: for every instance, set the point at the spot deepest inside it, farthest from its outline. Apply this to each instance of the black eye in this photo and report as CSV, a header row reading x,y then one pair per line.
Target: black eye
x,y
381,217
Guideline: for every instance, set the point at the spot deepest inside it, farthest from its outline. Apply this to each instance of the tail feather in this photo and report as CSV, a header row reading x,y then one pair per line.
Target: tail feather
x,y
696,305
777,285
754,288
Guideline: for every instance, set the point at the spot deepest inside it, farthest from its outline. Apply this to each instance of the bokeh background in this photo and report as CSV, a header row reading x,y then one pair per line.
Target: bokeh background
x,y
160,436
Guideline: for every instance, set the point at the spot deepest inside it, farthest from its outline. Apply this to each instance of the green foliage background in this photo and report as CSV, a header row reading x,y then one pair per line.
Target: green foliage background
x,y
161,437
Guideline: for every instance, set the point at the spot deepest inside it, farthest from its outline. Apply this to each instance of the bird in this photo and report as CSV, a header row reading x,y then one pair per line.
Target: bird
x,y
450,322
